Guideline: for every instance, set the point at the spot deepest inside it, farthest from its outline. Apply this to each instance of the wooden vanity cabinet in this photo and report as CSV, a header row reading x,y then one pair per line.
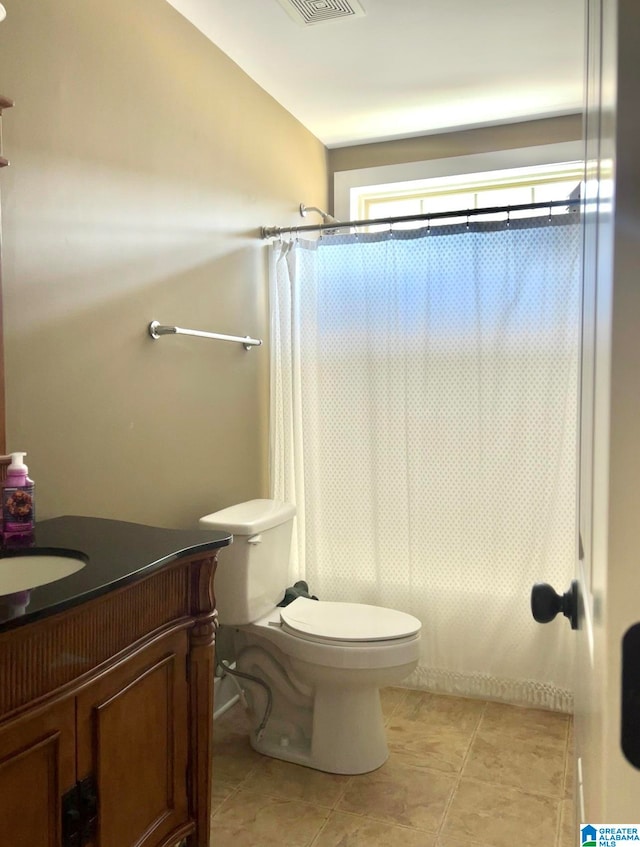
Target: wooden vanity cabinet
x,y
106,734
123,738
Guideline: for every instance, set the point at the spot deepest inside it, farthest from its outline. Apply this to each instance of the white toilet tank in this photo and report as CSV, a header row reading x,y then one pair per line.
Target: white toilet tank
x,y
253,572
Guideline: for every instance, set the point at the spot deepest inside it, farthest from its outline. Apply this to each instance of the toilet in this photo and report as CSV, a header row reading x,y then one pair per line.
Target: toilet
x,y
312,670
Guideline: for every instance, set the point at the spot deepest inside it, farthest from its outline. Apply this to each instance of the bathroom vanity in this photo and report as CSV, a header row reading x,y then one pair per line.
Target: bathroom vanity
x,y
106,690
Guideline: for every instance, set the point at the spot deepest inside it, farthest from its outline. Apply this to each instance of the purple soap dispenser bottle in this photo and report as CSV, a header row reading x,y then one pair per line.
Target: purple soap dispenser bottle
x,y
18,503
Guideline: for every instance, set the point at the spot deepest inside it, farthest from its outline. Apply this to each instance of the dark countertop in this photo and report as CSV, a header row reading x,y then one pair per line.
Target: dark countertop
x,y
118,553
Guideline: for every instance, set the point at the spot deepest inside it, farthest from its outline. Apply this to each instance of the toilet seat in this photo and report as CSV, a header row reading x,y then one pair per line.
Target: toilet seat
x,y
353,623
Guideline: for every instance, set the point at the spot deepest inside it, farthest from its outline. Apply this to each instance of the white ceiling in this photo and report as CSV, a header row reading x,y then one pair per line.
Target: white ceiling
x,y
408,67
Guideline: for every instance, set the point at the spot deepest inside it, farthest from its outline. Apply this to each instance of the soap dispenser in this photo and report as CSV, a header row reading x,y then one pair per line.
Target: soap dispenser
x,y
18,503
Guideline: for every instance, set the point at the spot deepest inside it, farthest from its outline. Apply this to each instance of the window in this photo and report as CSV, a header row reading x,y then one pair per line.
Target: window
x,y
406,187
510,187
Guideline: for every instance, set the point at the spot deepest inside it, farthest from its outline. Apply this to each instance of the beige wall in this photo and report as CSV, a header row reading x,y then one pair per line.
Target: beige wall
x,y
143,162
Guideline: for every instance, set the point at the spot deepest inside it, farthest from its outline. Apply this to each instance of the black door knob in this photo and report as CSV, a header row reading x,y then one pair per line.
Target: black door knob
x,y
546,603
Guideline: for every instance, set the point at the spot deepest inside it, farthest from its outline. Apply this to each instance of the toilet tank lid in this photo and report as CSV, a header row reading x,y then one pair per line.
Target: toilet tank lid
x,y
249,518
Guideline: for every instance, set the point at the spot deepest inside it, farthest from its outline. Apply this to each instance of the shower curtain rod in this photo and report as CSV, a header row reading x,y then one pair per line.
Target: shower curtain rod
x,y
273,231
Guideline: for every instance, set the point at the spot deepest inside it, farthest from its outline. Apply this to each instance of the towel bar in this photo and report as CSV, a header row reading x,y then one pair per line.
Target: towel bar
x,y
156,330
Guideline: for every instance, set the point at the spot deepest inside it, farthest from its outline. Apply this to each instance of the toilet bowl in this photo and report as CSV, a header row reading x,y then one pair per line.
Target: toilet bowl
x,y
313,669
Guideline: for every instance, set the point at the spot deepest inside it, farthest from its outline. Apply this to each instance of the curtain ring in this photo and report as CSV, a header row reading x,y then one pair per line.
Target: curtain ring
x,y
428,226
508,216
549,212
467,219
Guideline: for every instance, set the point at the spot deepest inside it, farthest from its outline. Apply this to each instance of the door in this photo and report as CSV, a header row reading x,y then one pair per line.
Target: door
x,y
37,766
608,568
132,736
608,572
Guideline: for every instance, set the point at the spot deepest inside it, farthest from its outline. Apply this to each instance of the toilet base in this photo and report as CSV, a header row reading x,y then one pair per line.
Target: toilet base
x,y
320,716
353,744
343,745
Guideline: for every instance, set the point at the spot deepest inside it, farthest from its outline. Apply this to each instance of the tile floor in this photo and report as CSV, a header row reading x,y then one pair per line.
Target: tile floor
x,y
460,773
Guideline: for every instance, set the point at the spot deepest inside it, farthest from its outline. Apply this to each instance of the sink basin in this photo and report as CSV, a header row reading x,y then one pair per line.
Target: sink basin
x,y
23,569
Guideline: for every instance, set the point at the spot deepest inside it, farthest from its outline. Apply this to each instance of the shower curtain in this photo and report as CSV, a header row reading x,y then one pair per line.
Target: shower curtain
x,y
423,421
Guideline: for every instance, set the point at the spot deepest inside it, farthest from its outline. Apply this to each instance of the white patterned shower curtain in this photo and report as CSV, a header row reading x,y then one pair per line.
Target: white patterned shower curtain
x,y
424,404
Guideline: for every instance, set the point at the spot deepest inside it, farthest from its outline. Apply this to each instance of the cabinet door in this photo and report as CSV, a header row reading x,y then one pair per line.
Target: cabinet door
x,y
133,739
37,766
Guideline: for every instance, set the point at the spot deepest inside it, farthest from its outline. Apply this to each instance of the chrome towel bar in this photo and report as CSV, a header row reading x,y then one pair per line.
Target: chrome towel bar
x,y
156,330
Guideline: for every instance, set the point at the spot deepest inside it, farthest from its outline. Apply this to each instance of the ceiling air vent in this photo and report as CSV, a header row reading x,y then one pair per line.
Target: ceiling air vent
x,y
309,12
